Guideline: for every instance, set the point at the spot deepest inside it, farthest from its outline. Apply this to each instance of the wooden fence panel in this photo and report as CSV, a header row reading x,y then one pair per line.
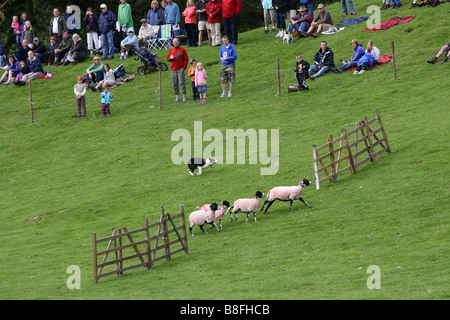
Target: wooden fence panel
x,y
143,254
328,157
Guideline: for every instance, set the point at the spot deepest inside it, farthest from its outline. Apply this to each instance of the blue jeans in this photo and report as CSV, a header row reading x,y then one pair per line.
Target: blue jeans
x,y
231,29
310,7
347,66
3,60
281,20
319,72
108,44
396,2
302,27
344,6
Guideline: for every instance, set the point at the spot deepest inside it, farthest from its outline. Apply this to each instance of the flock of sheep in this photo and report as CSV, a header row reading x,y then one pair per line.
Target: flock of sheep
x,y
209,213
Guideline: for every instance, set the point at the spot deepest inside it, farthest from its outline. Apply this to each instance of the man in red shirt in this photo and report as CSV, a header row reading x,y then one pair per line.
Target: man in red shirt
x,y
179,60
230,11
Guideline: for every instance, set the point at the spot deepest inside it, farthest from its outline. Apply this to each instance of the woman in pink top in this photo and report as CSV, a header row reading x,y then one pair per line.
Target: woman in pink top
x,y
200,82
190,20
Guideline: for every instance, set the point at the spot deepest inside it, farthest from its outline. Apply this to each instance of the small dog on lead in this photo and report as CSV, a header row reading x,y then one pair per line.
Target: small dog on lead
x,y
200,163
288,39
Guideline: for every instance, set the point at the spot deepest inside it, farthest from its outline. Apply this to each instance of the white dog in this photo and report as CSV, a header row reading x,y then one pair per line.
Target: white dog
x,y
288,39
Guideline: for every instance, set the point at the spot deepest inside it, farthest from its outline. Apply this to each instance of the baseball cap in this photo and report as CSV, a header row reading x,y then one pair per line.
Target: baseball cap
x,y
102,6
35,39
320,6
192,60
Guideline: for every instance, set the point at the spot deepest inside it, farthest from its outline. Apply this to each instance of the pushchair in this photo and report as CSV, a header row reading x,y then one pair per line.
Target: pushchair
x,y
149,61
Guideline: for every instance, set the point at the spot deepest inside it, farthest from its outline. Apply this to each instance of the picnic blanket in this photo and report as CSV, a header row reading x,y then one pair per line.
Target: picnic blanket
x,y
123,79
353,21
383,60
333,30
390,23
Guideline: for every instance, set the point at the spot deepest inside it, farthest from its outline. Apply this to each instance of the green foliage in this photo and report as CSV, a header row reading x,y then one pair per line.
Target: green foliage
x,y
63,178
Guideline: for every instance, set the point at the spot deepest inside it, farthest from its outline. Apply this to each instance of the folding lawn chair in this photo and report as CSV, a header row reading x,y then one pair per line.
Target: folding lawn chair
x,y
165,39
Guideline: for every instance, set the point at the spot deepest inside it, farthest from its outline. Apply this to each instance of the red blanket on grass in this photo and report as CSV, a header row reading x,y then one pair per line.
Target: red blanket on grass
x,y
383,59
390,23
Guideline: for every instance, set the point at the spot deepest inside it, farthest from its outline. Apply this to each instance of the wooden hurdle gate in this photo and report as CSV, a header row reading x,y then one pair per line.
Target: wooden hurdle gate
x,y
328,157
139,242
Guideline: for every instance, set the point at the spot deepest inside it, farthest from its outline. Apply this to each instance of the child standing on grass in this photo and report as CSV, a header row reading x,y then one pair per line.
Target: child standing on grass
x,y
80,91
200,82
16,27
191,74
301,72
106,99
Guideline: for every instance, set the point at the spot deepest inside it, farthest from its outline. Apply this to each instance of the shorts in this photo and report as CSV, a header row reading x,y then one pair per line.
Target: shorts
x,y
201,88
269,16
227,73
326,27
201,25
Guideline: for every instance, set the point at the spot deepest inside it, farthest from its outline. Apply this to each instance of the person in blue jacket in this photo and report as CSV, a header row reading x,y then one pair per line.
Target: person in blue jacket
x,y
106,25
35,69
358,52
12,69
228,58
128,44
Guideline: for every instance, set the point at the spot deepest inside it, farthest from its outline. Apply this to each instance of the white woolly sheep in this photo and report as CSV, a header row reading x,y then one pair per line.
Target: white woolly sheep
x,y
286,194
246,206
201,218
219,213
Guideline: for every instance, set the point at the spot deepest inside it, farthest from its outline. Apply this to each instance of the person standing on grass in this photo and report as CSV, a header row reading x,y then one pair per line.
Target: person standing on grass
x,y
191,74
280,10
124,17
269,15
106,101
202,21
179,60
200,82
106,26
228,57
230,11
213,9
80,92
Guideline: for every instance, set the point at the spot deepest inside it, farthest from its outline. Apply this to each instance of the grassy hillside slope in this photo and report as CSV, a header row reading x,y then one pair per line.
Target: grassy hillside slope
x,y
63,178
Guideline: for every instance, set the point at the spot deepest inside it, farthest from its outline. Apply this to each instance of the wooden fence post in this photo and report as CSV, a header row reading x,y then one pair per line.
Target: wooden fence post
x,y
333,164
382,131
94,249
316,170
165,234
160,81
183,222
147,245
31,102
393,60
278,77
350,156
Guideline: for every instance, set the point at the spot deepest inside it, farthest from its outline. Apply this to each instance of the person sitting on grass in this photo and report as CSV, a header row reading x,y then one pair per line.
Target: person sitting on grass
x,y
445,48
323,61
12,69
358,52
34,68
128,44
78,51
322,22
371,57
300,23
95,71
108,78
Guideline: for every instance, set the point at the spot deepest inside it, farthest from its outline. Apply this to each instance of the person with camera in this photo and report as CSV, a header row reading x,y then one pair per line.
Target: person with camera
x,y
91,20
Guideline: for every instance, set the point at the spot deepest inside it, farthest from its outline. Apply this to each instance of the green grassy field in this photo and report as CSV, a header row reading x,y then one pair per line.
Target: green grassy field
x,y
63,178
